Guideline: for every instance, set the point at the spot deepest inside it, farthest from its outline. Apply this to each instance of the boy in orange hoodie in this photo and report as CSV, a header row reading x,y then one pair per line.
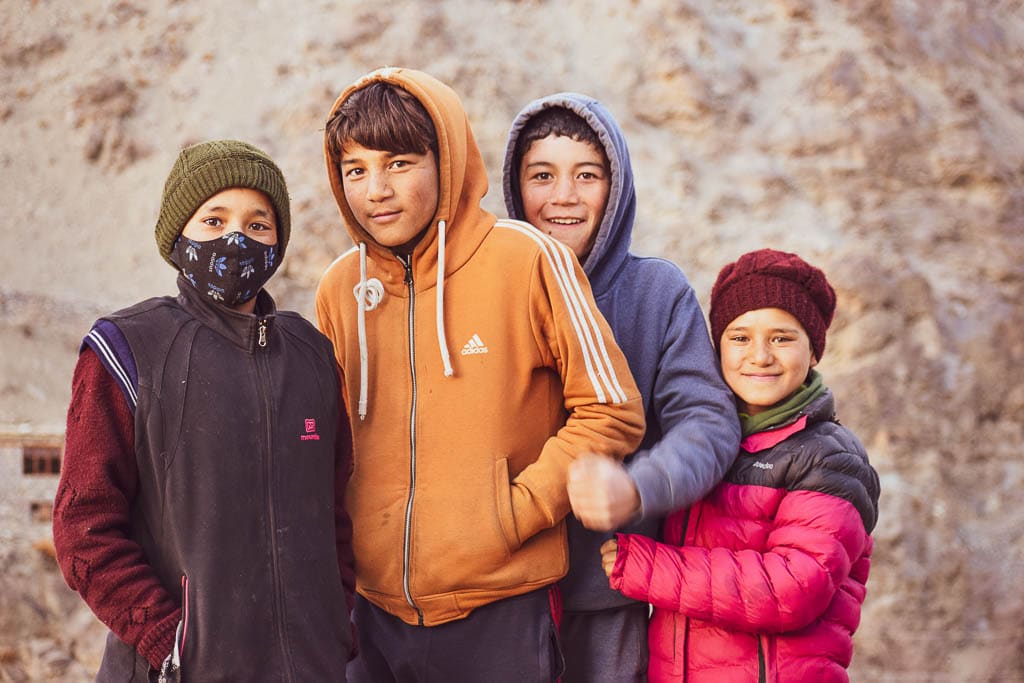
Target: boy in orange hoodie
x,y
458,497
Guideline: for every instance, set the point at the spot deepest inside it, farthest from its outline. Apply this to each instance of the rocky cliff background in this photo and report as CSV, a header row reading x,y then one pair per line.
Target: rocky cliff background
x,y
881,139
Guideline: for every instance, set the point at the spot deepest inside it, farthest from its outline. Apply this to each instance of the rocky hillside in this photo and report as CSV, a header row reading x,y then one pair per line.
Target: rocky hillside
x,y
882,139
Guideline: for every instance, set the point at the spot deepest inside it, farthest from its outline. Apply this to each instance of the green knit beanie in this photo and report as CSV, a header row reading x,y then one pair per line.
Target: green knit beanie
x,y
202,171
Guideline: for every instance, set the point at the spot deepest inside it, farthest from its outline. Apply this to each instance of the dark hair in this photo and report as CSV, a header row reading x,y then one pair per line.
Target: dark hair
x,y
557,121
381,116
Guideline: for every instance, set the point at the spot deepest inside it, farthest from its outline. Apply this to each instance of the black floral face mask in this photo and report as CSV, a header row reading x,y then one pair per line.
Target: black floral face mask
x,y
230,269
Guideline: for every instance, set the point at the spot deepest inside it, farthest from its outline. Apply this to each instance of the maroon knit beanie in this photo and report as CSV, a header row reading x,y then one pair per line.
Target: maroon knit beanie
x,y
773,279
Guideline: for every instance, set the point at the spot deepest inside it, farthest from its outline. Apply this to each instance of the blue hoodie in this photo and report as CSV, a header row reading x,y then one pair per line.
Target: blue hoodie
x,y
693,433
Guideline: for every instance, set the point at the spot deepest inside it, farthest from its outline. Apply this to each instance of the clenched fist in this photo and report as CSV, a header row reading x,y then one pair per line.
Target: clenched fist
x,y
609,551
601,492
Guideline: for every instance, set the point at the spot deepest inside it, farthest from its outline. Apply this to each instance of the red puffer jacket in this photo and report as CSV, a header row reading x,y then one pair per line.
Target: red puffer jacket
x,y
769,579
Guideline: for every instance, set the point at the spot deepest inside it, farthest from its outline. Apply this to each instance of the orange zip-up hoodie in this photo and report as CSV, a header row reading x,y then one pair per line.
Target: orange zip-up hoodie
x,y
473,377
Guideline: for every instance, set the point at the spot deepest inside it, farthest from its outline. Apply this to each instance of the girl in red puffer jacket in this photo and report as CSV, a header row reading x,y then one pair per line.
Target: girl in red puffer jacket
x,y
764,578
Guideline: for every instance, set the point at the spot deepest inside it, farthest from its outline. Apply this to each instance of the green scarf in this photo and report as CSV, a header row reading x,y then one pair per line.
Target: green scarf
x,y
783,412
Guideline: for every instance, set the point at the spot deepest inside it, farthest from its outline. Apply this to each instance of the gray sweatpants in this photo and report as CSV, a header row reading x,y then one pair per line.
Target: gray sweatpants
x,y
605,645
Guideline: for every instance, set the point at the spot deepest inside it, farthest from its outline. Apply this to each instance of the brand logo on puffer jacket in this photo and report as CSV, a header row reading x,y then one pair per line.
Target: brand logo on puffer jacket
x,y
310,426
474,345
764,465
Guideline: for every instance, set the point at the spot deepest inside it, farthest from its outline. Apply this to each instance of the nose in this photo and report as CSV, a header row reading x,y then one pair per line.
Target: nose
x,y
761,354
378,187
565,191
234,225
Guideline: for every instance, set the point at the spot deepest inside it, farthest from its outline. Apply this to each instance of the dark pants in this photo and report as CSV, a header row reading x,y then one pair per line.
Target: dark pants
x,y
606,646
513,640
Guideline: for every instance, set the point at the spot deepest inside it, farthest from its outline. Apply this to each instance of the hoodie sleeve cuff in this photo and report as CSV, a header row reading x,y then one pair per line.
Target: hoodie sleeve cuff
x,y
651,485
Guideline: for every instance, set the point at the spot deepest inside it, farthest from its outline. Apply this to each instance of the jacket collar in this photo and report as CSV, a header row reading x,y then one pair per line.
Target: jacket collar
x,y
242,329
761,441
821,409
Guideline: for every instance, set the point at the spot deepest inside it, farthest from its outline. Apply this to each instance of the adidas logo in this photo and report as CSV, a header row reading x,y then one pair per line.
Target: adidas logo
x,y
474,345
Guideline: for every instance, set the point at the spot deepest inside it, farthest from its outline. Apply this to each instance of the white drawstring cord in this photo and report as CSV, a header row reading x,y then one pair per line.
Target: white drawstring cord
x,y
361,325
369,293
442,342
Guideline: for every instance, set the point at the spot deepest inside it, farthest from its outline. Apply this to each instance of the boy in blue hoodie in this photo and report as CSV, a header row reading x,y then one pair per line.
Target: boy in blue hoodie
x,y
567,171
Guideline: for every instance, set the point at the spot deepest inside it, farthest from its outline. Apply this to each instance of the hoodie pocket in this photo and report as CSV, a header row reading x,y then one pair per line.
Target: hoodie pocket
x,y
503,495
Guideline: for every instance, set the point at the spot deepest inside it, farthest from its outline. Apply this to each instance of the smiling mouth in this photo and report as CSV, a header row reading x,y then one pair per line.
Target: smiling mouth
x,y
565,221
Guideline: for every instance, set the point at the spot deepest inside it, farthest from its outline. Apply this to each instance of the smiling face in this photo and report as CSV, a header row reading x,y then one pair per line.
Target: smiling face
x,y
766,355
393,195
237,209
564,185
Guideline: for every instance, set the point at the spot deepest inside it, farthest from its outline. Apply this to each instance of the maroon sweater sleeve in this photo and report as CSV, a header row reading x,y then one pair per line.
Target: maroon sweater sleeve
x,y
92,517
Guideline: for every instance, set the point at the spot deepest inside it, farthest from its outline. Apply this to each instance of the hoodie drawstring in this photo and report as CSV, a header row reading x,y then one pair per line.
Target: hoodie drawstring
x,y
368,294
361,325
442,342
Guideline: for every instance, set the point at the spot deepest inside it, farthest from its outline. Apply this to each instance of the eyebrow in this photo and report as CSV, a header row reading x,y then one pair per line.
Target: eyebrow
x,y
389,155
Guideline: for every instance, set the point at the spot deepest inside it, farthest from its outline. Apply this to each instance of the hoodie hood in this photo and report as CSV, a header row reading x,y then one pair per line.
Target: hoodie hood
x,y
461,172
611,245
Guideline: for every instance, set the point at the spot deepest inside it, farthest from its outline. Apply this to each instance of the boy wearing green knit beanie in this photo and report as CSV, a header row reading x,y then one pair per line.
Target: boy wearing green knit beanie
x,y
210,184
200,511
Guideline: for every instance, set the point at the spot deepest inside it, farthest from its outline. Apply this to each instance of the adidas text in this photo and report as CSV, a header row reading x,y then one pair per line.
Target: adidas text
x,y
474,345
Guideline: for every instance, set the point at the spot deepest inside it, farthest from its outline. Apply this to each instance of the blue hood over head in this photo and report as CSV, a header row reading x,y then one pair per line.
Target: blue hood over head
x,y
693,433
611,245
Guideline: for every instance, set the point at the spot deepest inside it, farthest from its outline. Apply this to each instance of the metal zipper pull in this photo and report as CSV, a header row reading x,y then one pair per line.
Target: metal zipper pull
x,y
263,334
407,263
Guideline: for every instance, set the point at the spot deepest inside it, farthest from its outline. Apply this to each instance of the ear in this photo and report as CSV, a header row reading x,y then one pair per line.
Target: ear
x,y
814,361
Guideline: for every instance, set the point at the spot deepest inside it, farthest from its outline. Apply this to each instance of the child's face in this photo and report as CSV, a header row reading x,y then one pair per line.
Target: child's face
x,y
766,355
393,196
564,185
237,209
